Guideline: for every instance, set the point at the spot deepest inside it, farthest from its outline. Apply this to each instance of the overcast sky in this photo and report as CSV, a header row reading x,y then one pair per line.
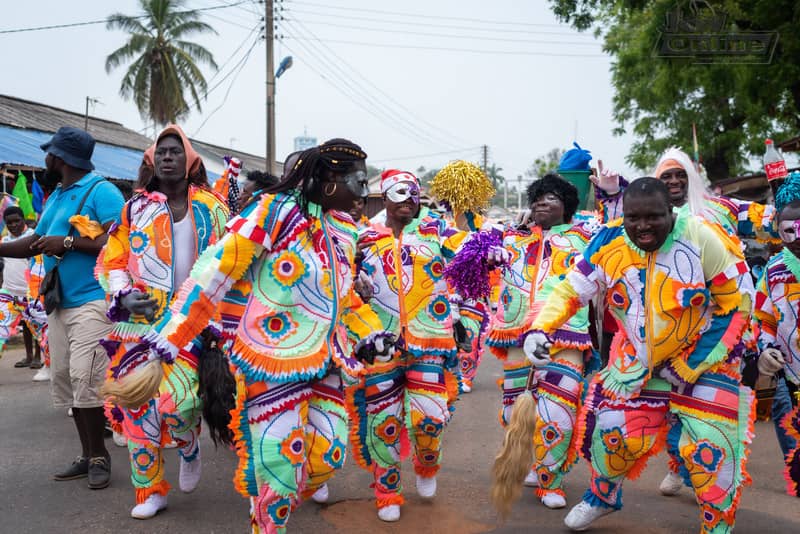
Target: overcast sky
x,y
414,82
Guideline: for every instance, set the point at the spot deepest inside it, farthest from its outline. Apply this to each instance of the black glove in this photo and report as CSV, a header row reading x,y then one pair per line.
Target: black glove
x,y
139,303
382,348
461,337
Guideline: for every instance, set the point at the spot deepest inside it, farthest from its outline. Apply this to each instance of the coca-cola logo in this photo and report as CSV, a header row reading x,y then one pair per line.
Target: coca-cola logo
x,y
776,170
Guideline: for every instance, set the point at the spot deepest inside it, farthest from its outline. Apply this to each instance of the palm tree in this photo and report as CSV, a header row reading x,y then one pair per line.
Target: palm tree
x,y
164,65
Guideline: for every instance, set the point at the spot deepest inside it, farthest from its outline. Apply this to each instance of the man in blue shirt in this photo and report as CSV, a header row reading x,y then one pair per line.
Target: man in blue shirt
x,y
79,322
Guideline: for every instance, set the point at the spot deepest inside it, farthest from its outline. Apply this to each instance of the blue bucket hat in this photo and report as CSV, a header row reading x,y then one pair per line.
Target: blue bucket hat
x,y
73,145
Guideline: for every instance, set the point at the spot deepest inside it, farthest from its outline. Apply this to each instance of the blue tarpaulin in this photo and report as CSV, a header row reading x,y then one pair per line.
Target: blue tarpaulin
x,y
21,147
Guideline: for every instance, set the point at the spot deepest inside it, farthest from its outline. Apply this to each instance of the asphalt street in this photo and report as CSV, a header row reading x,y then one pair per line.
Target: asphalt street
x,y
37,440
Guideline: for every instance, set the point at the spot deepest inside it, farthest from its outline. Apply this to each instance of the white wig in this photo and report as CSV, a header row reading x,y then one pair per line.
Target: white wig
x,y
696,191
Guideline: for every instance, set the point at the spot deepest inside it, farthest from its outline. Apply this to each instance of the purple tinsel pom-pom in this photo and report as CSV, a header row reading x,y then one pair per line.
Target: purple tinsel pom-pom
x,y
468,272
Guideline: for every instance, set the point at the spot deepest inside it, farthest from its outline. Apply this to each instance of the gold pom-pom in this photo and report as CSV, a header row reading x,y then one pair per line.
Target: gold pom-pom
x,y
463,185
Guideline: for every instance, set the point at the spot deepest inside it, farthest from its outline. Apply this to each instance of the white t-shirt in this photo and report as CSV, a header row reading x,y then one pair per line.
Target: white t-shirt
x,y
183,237
14,269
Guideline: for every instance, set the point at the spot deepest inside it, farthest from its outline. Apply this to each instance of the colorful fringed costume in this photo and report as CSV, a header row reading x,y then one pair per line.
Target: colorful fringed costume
x,y
35,315
410,395
680,314
17,305
299,322
141,255
539,260
777,311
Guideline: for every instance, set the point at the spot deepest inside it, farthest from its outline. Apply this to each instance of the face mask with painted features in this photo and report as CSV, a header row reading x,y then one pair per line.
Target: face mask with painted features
x,y
402,192
789,230
356,183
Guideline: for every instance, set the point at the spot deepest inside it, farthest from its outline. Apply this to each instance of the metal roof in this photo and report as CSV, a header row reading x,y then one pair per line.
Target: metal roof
x,y
22,147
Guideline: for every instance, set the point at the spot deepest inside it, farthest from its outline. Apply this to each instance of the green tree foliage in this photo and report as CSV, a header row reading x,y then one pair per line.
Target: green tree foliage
x,y
544,164
734,106
163,64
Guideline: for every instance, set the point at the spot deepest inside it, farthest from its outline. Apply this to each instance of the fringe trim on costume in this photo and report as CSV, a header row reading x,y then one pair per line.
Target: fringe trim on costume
x,y
540,492
573,450
597,502
658,445
425,471
501,353
355,405
718,354
162,488
114,417
395,498
244,480
498,338
791,472
259,367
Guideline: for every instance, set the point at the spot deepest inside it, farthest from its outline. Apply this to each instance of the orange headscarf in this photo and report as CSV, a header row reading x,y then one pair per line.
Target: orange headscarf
x,y
666,165
193,160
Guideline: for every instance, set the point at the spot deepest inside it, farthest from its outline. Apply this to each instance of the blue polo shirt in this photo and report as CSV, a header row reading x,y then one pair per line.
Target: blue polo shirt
x,y
76,270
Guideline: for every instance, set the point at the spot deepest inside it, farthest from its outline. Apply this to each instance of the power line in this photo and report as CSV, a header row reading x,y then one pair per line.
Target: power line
x,y
407,115
454,49
451,36
103,21
241,64
399,120
416,156
361,103
417,23
428,16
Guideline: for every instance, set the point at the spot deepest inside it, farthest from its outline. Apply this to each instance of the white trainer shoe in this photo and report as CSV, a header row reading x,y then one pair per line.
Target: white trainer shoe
x,y
532,479
120,440
554,500
584,514
426,487
42,375
671,485
150,507
189,475
389,513
321,495
466,388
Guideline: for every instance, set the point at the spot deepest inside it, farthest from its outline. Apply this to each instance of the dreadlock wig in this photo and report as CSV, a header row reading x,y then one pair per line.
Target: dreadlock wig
x,y
336,156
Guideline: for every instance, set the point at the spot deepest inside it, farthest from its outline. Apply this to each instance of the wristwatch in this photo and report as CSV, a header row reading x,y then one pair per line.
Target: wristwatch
x,y
68,242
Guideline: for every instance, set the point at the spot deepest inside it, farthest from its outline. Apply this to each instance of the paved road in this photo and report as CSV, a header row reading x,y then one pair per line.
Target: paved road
x,y
36,440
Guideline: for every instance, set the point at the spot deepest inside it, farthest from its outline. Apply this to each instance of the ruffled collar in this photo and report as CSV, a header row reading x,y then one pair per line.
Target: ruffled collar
x,y
792,263
681,221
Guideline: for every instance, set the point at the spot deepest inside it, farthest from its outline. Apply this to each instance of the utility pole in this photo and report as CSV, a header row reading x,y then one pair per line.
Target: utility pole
x,y
505,194
519,193
485,158
270,38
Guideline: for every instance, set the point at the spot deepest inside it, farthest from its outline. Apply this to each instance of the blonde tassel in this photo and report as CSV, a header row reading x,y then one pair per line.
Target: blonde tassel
x,y
515,458
137,388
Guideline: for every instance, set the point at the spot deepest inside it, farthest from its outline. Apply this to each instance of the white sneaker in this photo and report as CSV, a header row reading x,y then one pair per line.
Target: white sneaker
x,y
389,513
554,500
426,487
321,495
42,375
466,388
583,514
150,507
190,472
671,485
171,445
532,479
120,440
69,412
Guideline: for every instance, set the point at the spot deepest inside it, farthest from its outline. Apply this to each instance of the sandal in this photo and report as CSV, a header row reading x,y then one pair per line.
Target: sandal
x,y
22,363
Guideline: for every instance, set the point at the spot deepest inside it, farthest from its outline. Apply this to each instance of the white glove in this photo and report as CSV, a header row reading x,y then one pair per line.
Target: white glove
x,y
770,362
537,349
498,255
607,180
